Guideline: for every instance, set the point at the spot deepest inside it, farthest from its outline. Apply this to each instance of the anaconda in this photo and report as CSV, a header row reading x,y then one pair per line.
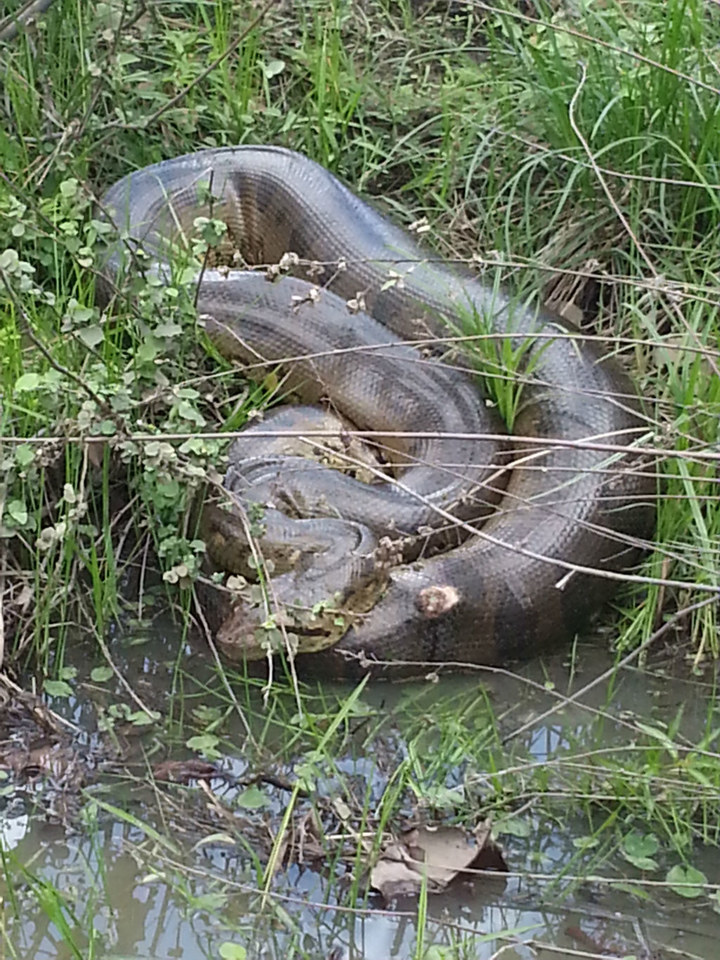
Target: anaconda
x,y
577,503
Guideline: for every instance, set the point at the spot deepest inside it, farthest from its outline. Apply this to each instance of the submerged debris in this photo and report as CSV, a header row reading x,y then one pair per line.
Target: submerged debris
x,y
433,855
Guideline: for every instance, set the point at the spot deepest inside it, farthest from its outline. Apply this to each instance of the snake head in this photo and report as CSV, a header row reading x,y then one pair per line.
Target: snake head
x,y
248,632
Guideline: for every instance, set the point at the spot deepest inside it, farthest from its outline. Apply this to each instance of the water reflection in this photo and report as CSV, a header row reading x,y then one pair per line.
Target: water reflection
x,y
127,892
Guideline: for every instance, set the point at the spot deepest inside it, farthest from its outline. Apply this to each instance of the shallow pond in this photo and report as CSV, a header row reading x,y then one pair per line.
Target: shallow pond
x,y
109,861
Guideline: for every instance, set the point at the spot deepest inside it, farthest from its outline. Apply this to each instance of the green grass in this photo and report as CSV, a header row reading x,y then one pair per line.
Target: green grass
x,y
575,153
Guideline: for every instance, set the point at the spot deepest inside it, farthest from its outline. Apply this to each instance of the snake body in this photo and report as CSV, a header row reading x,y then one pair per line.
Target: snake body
x,y
577,503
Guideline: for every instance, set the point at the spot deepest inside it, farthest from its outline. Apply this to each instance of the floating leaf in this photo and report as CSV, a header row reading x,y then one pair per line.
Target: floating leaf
x,y
143,718
686,875
585,843
433,855
252,799
638,849
513,827
205,743
57,688
101,674
206,715
232,951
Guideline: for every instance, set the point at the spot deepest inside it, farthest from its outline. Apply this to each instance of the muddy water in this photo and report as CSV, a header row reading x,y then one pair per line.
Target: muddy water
x,y
113,867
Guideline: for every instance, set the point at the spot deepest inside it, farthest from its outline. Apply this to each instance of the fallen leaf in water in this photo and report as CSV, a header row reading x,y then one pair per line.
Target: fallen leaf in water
x,y
183,771
439,854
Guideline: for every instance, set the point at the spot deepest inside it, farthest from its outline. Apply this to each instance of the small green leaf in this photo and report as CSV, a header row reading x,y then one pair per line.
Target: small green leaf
x,y
585,843
168,329
436,952
77,313
513,827
640,845
232,951
204,743
101,674
272,68
206,714
24,455
69,187
252,799
148,350
196,445
27,382
9,260
188,412
638,849
143,718
213,902
684,875
91,336
57,688
139,640
18,511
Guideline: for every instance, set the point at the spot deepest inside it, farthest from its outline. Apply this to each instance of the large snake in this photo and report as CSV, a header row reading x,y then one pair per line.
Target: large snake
x,y
577,502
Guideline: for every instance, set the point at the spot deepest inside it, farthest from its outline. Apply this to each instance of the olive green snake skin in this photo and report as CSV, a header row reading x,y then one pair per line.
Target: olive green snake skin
x,y
568,504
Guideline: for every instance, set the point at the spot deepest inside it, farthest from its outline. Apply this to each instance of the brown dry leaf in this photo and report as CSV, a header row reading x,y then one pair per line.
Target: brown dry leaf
x,y
438,853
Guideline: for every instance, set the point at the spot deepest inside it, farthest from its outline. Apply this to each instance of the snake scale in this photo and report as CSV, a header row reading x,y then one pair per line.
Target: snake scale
x,y
569,503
